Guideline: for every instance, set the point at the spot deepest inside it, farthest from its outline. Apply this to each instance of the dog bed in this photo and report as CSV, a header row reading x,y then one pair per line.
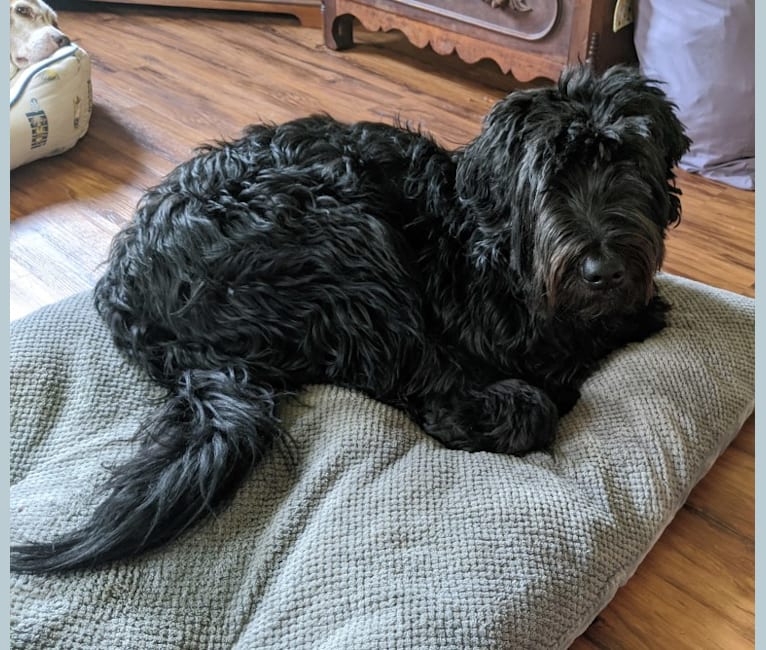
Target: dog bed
x,y
375,535
51,105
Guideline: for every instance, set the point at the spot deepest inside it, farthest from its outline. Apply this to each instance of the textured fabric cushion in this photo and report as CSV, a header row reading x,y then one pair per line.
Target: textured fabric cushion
x,y
51,104
377,537
705,53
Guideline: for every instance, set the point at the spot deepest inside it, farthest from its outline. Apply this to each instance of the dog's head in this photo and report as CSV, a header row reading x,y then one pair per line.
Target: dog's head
x,y
34,34
570,189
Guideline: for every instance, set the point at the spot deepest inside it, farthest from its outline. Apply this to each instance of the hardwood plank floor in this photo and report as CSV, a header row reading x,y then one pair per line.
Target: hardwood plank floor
x,y
166,80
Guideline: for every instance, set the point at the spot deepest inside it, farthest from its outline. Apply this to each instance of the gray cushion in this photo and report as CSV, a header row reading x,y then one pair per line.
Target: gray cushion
x,y
377,537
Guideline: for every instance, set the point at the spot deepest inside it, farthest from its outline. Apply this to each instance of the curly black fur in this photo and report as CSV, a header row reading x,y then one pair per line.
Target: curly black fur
x,y
474,289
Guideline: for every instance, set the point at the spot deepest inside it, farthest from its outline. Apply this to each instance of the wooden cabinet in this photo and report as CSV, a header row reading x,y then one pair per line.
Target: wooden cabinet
x,y
528,38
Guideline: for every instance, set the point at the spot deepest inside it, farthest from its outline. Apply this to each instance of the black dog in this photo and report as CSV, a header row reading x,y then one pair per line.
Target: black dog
x,y
474,289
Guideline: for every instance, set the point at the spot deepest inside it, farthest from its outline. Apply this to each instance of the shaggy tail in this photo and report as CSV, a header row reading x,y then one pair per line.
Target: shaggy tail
x,y
195,450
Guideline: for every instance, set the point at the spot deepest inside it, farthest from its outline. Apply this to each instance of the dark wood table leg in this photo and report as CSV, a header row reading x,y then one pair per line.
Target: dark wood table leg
x,y
338,30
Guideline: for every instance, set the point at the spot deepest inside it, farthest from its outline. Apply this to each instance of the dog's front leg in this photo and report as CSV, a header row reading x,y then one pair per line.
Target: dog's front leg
x,y
564,396
509,416
648,321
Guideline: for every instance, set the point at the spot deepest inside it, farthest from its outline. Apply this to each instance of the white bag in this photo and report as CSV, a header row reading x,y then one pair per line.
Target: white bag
x,y
704,52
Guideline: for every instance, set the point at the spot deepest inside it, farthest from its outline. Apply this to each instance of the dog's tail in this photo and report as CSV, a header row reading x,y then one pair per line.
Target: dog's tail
x,y
194,451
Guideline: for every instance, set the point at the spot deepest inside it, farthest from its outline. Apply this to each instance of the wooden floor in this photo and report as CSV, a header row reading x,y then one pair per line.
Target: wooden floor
x,y
165,80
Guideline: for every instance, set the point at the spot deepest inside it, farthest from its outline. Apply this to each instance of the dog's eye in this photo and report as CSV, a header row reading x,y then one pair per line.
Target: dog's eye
x,y
23,10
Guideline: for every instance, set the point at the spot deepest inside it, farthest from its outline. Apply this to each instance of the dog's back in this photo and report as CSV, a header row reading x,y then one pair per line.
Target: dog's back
x,y
284,262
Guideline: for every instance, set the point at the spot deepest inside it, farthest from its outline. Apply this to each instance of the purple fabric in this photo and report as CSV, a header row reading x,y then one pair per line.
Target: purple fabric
x,y
704,51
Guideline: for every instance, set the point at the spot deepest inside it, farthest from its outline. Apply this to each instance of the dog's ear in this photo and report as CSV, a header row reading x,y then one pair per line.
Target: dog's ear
x,y
497,179
622,93
492,156
501,176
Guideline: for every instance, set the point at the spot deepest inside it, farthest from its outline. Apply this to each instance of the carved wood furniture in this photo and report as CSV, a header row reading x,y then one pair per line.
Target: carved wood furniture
x,y
529,38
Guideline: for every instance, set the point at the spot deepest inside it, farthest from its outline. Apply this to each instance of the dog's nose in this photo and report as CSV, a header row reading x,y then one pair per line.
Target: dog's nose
x,y
62,40
603,271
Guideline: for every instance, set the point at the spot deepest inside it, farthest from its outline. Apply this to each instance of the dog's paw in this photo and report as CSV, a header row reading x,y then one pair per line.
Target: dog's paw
x,y
508,417
648,321
564,396
655,316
